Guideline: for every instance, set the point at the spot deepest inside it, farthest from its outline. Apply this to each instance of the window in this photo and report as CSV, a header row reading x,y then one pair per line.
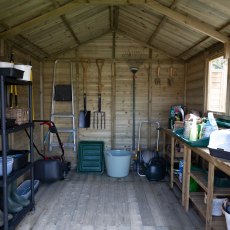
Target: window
x,y
217,84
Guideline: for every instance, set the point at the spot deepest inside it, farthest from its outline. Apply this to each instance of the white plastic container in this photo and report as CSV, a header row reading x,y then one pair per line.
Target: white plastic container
x,y
227,215
217,206
219,144
26,69
10,161
6,65
117,163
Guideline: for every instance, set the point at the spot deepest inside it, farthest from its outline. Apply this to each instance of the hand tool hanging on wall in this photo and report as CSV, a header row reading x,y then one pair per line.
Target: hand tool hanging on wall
x,y
170,78
157,79
84,115
99,116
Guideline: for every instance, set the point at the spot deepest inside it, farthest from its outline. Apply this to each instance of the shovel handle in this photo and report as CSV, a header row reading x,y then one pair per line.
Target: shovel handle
x,y
84,65
84,98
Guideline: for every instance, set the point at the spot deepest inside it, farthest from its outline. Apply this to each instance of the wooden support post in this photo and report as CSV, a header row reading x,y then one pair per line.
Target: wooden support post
x,y
227,50
186,177
211,170
2,48
113,104
77,92
164,150
41,104
149,72
172,162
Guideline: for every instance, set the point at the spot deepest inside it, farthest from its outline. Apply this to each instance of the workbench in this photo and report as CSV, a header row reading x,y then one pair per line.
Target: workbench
x,y
207,184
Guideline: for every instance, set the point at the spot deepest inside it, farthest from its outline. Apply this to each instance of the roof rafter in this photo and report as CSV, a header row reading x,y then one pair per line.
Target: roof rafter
x,y
68,7
65,21
162,23
25,40
200,42
75,46
188,21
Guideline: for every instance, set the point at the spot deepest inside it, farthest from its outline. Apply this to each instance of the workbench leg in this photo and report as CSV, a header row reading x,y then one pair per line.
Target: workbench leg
x,y
172,162
186,178
211,170
164,145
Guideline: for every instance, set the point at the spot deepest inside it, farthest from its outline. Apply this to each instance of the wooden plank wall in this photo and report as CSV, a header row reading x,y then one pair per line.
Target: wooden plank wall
x,y
195,83
152,101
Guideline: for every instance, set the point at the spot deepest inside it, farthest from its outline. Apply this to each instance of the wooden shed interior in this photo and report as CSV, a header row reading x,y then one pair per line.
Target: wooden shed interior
x,y
170,41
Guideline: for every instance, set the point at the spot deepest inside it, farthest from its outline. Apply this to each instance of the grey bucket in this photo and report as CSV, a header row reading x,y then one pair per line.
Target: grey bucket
x,y
117,163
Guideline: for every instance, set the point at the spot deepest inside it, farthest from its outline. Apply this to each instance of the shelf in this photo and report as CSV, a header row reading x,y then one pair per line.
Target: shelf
x,y
201,179
11,73
18,217
176,159
10,76
15,174
177,182
197,198
17,128
13,81
219,223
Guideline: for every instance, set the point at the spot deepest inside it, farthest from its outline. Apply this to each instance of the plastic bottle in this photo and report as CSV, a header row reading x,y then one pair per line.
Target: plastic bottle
x,y
212,121
194,130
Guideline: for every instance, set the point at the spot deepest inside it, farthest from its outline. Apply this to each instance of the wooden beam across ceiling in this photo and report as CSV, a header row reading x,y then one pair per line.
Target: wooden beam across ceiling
x,y
155,6
26,41
188,21
200,42
71,6
162,23
65,21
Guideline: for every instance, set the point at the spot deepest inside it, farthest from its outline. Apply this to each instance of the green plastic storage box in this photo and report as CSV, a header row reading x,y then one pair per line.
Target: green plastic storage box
x,y
90,156
203,142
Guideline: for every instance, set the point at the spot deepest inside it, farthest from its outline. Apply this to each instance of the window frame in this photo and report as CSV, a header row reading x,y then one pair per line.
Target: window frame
x,y
208,59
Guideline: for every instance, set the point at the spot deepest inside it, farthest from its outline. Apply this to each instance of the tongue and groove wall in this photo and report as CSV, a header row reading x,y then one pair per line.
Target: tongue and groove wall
x,y
152,101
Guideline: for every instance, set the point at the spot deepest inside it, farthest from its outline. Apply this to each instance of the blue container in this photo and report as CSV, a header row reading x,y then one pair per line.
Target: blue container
x,y
24,189
117,163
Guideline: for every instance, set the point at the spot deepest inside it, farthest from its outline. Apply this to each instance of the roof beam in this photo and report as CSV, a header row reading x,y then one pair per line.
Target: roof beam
x,y
205,39
61,11
54,55
25,40
188,21
161,24
65,21
40,19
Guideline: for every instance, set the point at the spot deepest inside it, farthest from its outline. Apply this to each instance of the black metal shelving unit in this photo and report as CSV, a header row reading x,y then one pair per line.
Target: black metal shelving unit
x,y
9,76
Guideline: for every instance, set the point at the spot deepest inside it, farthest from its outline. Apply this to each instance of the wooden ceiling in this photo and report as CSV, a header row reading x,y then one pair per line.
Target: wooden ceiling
x,y
178,28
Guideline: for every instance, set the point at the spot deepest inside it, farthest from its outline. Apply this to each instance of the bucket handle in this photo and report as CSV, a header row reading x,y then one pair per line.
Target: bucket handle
x,y
108,153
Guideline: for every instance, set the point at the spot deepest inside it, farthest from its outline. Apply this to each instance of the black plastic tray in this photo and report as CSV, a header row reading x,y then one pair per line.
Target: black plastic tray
x,y
203,142
20,158
11,72
223,123
219,153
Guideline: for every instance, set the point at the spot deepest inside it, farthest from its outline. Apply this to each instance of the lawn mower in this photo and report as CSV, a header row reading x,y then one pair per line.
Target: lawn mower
x,y
50,168
149,163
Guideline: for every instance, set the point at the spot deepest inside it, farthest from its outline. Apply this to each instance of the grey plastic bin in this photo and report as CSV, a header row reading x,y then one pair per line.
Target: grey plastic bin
x,y
117,163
